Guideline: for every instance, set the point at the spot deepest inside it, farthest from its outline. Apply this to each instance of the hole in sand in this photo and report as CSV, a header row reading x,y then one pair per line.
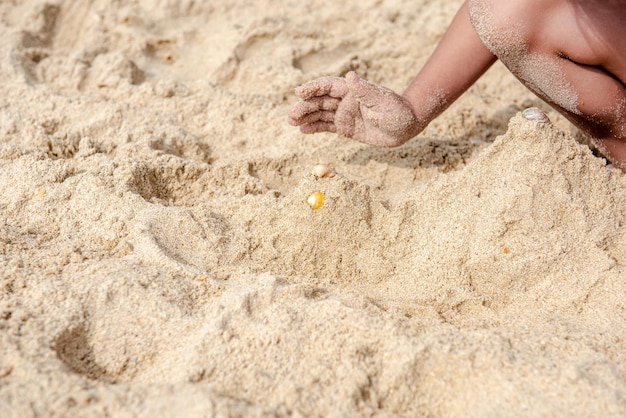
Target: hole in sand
x,y
152,185
75,351
167,183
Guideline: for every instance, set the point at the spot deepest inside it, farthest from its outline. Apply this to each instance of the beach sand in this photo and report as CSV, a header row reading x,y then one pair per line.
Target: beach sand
x,y
158,257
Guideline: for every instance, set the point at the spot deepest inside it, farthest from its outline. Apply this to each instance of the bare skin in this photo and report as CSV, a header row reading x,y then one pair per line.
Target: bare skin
x,y
570,53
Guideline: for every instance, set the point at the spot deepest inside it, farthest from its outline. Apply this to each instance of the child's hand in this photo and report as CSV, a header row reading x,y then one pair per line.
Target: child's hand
x,y
354,108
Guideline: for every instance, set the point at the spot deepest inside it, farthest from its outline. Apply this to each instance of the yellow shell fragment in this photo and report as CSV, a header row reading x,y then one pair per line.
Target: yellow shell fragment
x,y
322,170
316,200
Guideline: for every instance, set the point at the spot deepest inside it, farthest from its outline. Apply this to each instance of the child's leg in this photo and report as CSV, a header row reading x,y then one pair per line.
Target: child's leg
x,y
547,45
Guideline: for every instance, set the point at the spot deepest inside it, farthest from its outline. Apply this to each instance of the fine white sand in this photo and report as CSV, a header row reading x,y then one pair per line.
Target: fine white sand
x,y
158,257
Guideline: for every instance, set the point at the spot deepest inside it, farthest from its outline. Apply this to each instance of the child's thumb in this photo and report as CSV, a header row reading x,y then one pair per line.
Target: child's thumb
x,y
365,92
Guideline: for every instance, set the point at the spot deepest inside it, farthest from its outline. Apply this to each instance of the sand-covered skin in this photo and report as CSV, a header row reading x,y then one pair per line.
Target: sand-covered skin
x,y
158,257
541,73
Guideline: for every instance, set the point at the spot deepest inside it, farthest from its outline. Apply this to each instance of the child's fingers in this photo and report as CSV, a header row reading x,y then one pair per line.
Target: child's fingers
x,y
315,127
301,110
319,116
314,104
325,102
346,116
324,86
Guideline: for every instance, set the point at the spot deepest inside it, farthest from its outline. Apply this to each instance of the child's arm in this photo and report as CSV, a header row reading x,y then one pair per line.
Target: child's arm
x,y
377,116
459,60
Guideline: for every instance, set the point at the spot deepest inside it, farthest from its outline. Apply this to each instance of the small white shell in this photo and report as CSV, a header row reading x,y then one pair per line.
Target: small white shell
x,y
535,114
322,170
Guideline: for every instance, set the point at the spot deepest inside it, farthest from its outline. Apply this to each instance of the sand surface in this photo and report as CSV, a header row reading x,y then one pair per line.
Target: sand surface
x,y
157,256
